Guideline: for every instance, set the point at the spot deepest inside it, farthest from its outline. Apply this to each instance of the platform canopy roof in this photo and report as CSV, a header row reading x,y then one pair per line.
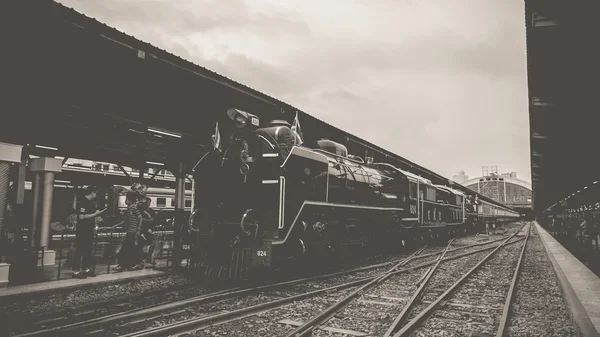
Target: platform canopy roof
x,y
563,73
94,92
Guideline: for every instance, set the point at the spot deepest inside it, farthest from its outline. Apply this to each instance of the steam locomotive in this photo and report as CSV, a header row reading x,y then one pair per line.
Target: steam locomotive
x,y
266,199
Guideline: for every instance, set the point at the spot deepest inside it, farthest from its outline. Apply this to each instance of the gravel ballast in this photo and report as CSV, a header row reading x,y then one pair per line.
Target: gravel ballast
x,y
376,310
538,308
70,298
475,308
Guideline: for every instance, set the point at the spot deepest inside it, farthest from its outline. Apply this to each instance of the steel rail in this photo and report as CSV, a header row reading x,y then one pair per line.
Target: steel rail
x,y
224,294
309,326
199,323
65,313
410,326
459,248
511,290
417,294
202,322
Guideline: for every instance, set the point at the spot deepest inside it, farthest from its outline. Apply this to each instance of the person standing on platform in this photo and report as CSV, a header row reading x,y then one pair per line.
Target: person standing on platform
x,y
141,190
129,256
596,233
593,230
84,232
147,237
583,233
10,232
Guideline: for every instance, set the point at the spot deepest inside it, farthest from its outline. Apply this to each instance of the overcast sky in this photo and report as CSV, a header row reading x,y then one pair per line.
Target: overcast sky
x,y
439,82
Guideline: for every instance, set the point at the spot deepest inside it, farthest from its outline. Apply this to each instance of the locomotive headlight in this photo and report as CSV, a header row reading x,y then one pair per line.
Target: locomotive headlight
x,y
242,118
240,122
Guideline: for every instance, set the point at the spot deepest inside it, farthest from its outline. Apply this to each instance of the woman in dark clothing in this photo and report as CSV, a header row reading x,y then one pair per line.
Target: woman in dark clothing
x,y
146,239
129,255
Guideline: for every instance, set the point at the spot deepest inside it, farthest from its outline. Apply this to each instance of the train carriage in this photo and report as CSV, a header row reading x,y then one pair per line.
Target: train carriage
x,y
161,199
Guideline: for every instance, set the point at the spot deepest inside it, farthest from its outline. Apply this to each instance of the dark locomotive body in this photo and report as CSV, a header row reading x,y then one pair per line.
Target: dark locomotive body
x,y
265,200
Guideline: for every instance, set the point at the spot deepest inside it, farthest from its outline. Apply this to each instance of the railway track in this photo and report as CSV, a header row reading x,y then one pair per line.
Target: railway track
x,y
325,295
234,304
110,312
26,322
382,310
145,305
477,304
367,303
103,307
281,320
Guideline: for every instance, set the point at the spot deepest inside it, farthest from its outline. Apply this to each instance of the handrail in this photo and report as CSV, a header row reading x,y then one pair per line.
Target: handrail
x,y
337,156
248,211
407,173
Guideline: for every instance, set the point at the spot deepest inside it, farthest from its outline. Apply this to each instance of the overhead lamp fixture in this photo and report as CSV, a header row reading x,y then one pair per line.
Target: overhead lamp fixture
x,y
585,188
46,147
155,163
166,133
62,181
595,182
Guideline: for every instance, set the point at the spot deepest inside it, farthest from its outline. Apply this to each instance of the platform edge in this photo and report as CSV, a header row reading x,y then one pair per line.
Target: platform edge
x,y
577,314
92,285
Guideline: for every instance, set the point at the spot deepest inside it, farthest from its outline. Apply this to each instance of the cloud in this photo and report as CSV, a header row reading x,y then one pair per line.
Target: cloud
x,y
343,95
442,83
186,17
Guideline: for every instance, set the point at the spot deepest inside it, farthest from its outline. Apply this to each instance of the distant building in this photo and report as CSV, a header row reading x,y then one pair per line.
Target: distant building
x,y
461,177
509,175
505,188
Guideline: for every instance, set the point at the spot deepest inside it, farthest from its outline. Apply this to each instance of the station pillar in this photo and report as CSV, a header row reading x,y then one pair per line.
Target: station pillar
x,y
43,190
9,155
179,225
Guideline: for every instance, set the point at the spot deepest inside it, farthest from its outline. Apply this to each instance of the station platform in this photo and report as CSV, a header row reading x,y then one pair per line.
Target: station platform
x,y
588,255
579,285
62,272
72,283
